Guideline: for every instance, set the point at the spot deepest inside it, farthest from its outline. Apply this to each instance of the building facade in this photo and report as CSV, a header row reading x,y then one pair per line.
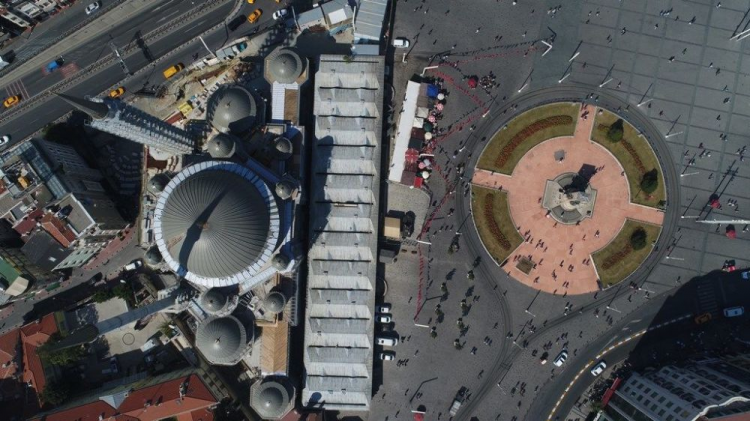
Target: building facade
x,y
698,391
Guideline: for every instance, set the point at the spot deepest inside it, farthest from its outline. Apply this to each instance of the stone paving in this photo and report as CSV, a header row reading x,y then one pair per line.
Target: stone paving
x,y
567,249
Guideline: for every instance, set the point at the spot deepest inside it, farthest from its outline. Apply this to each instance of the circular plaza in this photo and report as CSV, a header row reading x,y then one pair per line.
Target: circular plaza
x,y
568,198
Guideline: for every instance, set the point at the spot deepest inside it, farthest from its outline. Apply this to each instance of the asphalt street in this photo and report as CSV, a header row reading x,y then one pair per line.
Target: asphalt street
x,y
30,121
48,32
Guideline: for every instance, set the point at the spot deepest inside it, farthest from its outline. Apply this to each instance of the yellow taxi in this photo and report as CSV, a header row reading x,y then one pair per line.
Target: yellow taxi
x,y
250,1
116,93
11,101
173,70
253,17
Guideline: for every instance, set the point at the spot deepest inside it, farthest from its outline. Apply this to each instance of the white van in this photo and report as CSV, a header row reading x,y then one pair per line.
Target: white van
x,y
387,341
734,311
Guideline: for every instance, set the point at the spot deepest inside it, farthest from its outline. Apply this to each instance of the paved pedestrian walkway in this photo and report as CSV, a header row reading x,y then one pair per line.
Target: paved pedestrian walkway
x,y
563,253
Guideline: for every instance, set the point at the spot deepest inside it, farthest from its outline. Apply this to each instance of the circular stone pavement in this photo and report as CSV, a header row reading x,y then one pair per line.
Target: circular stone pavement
x,y
562,253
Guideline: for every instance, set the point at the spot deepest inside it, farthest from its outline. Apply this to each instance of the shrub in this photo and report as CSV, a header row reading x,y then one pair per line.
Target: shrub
x,y
102,295
638,239
528,131
55,393
614,259
489,215
650,181
615,131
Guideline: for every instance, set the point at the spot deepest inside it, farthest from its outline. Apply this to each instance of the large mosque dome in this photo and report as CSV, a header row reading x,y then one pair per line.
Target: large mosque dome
x,y
216,224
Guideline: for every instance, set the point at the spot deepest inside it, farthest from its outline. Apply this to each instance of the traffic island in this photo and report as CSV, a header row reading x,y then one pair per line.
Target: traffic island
x,y
567,200
495,227
626,252
636,156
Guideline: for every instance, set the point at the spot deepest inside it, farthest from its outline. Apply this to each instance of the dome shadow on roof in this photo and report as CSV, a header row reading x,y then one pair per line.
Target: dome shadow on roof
x,y
214,223
232,109
221,340
285,66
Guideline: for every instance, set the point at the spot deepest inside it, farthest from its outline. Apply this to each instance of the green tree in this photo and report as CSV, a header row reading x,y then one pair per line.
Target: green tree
x,y
650,181
470,275
433,334
55,393
102,295
60,357
638,239
616,130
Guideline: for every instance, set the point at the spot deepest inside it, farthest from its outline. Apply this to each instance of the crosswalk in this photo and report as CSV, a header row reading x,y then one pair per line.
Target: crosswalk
x,y
16,88
706,294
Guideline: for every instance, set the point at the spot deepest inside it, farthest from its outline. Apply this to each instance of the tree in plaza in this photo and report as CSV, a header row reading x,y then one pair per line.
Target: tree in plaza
x,y
650,181
615,131
470,275
433,333
457,344
638,239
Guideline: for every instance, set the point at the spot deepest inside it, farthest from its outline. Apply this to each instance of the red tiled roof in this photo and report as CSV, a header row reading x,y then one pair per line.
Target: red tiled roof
x,y
32,336
58,230
8,348
27,224
163,399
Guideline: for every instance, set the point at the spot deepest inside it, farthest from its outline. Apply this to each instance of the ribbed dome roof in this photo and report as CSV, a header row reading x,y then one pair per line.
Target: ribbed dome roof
x,y
221,146
286,66
213,300
213,223
282,147
153,257
270,399
232,109
221,339
275,302
157,183
280,261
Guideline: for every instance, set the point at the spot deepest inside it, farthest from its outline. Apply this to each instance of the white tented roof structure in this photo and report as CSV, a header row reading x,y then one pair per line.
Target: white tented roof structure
x,y
344,232
368,24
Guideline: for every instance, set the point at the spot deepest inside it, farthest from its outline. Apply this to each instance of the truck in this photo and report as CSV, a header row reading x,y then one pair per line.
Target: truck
x,y
458,401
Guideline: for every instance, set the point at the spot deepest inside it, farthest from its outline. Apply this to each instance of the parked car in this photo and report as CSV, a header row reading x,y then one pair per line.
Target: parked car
x,y
383,308
4,139
133,265
401,43
93,7
386,341
734,311
280,14
599,368
543,358
383,318
387,355
11,101
561,357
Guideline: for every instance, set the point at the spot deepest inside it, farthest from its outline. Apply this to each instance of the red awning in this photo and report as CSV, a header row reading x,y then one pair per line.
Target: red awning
x,y
418,182
412,155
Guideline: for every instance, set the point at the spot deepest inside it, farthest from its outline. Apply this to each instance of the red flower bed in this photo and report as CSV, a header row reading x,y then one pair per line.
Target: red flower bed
x,y
628,147
489,215
617,257
528,131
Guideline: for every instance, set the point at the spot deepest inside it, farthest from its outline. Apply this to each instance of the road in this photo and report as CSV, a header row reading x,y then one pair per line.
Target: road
x,y
28,122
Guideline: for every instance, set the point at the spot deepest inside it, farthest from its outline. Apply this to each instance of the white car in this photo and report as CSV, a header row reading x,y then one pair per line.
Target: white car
x,y
385,308
401,43
384,318
93,7
4,139
133,265
597,370
734,311
280,14
386,356
387,341
560,360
